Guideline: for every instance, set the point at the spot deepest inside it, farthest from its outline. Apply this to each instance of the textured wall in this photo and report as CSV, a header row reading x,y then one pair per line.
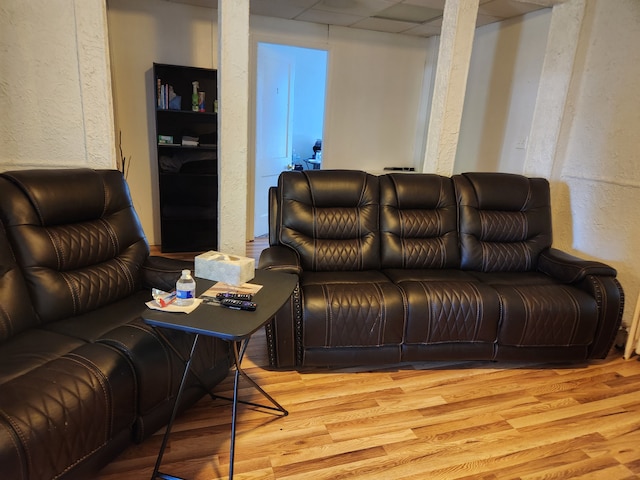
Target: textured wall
x,y
55,90
584,123
596,165
456,42
233,123
501,93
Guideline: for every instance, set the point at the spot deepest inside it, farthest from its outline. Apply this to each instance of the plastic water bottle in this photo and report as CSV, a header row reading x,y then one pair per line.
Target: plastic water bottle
x,y
185,289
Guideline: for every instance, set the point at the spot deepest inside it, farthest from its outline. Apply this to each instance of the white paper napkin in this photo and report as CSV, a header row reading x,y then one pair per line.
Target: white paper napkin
x,y
172,307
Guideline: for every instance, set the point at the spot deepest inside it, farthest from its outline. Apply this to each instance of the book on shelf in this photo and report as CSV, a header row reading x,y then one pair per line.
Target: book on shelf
x,y
190,141
166,96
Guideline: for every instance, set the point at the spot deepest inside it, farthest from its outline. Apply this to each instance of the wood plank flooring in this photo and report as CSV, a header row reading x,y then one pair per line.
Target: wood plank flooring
x,y
455,420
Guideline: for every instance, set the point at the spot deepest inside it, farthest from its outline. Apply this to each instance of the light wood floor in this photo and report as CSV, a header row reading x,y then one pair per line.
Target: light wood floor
x,y
458,420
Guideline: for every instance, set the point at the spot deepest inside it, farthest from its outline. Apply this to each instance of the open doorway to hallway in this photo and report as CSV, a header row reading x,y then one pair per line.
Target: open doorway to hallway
x,y
290,96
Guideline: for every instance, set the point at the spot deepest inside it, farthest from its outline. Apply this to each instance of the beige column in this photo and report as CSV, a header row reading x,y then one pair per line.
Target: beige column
x,y
233,108
557,69
454,54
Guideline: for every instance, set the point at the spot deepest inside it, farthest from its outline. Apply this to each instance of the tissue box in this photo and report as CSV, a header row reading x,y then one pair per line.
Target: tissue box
x,y
231,269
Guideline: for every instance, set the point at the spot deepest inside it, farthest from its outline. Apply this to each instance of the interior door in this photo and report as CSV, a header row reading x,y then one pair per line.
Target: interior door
x,y
274,106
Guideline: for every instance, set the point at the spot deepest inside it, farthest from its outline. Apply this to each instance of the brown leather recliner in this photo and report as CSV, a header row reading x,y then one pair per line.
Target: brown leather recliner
x,y
81,375
412,267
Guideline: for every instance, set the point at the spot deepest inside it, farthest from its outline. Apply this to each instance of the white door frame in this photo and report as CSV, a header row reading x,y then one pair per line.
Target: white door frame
x,y
253,66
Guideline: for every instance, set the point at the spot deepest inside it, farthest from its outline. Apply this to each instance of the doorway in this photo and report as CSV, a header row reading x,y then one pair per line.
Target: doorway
x,y
290,96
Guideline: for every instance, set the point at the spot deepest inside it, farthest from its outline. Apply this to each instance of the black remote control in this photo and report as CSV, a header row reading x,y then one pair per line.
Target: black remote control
x,y
238,304
235,296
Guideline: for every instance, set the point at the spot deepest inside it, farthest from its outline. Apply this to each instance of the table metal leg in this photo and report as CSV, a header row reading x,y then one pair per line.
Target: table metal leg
x,y
239,349
176,405
237,358
184,360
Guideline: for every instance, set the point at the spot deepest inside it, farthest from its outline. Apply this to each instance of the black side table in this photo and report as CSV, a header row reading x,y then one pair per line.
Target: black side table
x,y
233,326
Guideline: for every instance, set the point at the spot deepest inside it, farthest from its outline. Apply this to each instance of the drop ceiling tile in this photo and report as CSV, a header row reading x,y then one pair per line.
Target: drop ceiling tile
x,y
437,4
506,8
364,8
486,20
280,8
428,29
409,13
199,3
329,18
383,25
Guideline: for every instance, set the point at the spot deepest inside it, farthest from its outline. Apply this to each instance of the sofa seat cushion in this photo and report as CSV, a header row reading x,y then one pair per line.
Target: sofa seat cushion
x,y
398,275
450,319
342,312
352,277
32,349
513,278
92,326
157,366
341,315
546,315
443,312
56,415
119,324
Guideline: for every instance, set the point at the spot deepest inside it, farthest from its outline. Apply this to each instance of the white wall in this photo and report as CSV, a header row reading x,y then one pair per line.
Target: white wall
x,y
374,92
374,86
598,157
141,33
501,93
55,89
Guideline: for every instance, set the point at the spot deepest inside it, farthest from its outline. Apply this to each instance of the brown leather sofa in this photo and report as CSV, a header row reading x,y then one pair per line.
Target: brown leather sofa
x,y
420,267
81,375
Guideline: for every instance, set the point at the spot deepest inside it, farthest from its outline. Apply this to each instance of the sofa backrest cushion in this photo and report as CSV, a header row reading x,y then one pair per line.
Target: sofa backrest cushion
x,y
505,221
16,312
75,235
330,217
418,221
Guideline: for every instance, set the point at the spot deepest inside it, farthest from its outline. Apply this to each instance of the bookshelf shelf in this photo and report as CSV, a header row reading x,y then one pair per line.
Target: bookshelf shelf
x,y
188,173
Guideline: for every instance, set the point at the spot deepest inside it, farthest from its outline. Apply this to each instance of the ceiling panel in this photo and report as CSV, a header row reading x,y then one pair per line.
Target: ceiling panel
x,y
412,17
329,18
364,8
506,8
383,25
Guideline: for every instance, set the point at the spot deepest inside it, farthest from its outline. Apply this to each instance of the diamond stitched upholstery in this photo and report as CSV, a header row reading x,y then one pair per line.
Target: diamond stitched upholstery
x,y
418,221
451,312
332,223
82,376
548,315
56,415
74,267
505,221
345,314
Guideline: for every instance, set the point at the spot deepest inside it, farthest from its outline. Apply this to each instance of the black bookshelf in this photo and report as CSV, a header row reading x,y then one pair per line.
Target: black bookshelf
x,y
188,173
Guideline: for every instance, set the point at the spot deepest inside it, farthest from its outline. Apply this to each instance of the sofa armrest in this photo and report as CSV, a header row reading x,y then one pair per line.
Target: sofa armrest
x,y
280,258
569,268
283,332
163,272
